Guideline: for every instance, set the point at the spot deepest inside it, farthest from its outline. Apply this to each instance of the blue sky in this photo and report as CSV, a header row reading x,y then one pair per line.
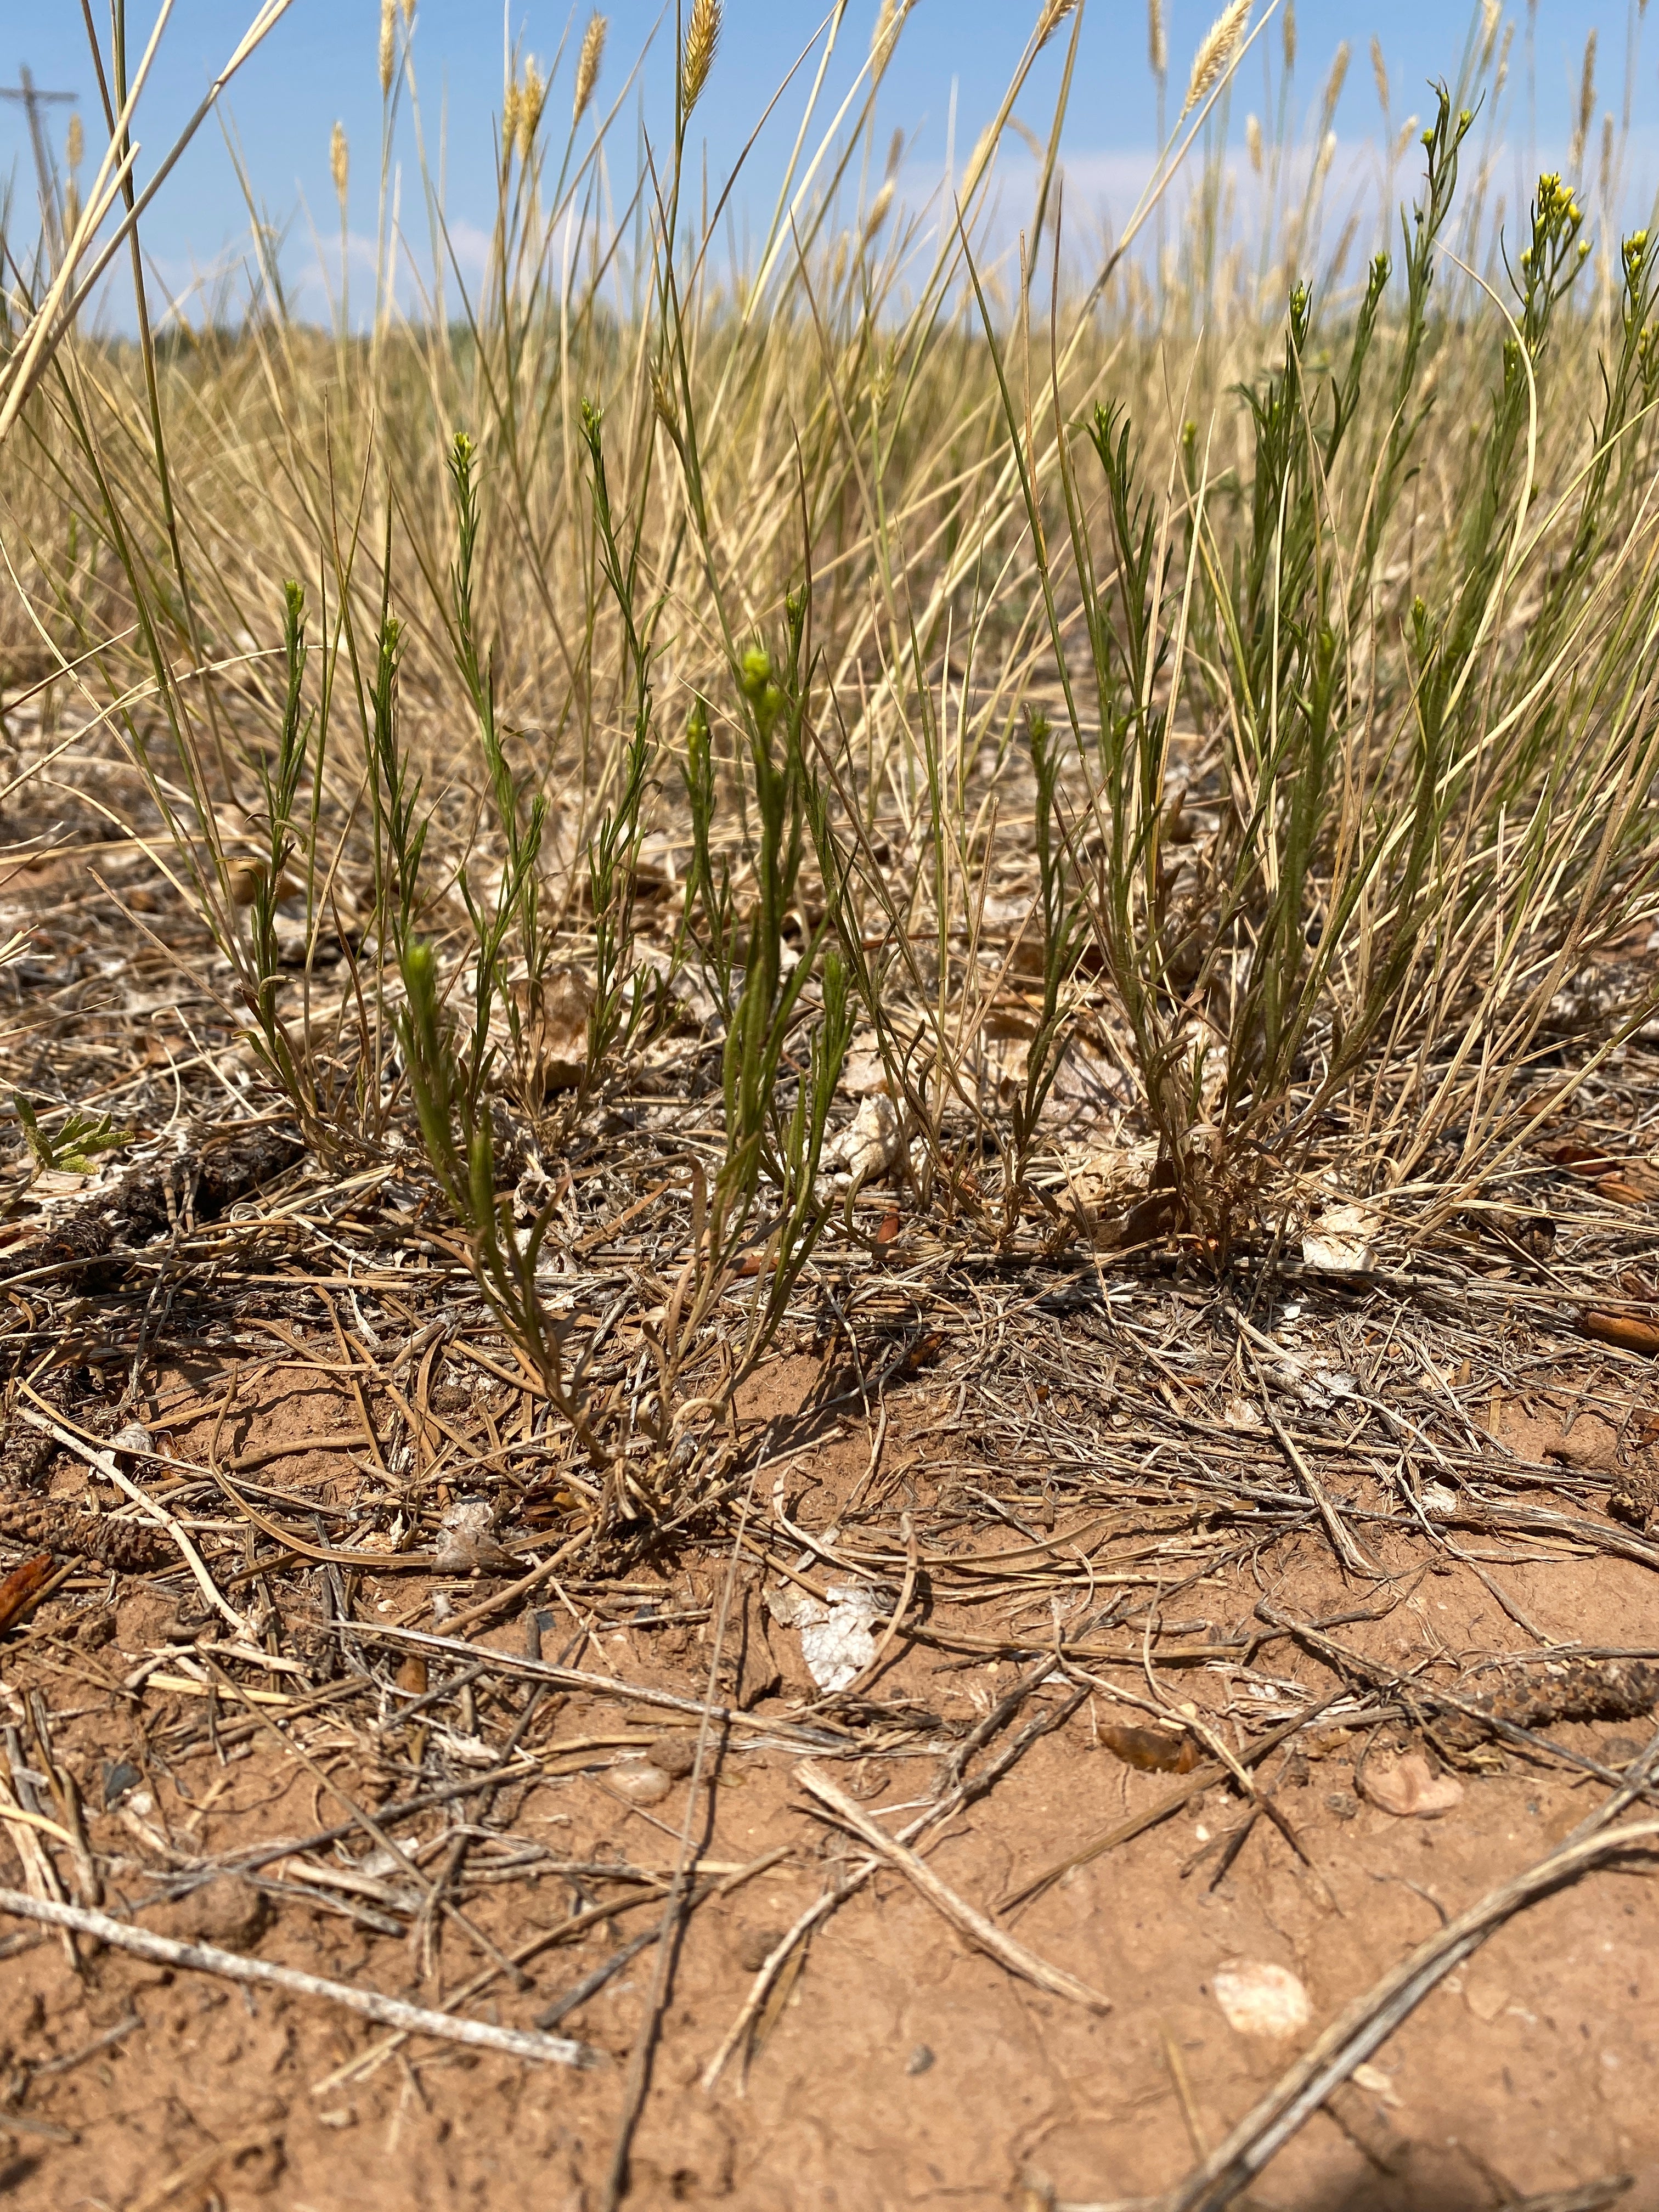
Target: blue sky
x,y
319,65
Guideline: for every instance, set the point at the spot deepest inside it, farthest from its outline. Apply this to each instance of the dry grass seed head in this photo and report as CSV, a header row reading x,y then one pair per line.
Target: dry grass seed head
x,y
388,44
1334,84
702,35
532,98
587,66
1054,13
339,163
1158,37
1586,104
1215,51
890,22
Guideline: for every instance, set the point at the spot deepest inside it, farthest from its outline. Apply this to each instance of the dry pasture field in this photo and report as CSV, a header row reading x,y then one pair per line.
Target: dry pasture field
x,y
827,1281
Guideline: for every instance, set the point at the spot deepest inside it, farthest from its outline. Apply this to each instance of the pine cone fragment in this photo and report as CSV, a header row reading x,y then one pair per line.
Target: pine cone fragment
x,y
127,1547
1564,1690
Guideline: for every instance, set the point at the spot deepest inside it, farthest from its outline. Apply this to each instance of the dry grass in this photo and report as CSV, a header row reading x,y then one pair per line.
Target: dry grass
x,y
692,807
1288,754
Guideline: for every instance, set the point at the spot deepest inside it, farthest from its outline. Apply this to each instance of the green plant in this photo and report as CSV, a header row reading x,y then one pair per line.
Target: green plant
x,y
1340,744
1297,926
394,788
766,1145
456,1130
75,1145
708,891
518,897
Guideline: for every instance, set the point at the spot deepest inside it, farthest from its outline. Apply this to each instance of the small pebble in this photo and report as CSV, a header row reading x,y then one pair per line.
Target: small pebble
x,y
640,1782
223,1912
756,1946
920,2060
675,1755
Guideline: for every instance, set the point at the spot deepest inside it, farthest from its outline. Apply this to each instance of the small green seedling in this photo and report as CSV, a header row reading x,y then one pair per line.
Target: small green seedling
x,y
74,1148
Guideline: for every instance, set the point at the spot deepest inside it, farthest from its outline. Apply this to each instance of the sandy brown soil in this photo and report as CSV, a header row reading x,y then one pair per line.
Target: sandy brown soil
x,y
901,2066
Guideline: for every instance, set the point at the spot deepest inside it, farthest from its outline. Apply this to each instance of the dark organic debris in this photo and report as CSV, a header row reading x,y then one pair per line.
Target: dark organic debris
x,y
127,1545
1567,1689
22,1586
1153,1751
214,1169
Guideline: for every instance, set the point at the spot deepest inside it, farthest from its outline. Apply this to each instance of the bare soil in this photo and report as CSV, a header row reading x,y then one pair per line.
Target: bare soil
x,y
901,2066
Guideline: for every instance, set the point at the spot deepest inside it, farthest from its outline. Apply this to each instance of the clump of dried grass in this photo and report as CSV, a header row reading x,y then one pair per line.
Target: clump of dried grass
x,y
1349,783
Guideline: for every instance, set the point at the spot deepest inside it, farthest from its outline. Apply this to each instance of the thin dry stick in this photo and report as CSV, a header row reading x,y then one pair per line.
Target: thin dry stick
x,y
962,1915
1201,1777
486,1608
207,1959
431,1898
760,1987
601,1685
1348,1549
38,1870
872,1667
544,1940
955,1797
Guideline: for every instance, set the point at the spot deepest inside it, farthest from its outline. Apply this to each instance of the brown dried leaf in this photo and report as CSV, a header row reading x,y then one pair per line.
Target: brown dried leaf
x,y
22,1586
1629,1331
1152,1751
1621,1190
555,1017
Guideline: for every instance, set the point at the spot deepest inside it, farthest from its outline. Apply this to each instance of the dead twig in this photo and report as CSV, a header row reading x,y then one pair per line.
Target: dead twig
x,y
103,1461
207,1959
972,1922
1201,1777
1367,2023
1348,1549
